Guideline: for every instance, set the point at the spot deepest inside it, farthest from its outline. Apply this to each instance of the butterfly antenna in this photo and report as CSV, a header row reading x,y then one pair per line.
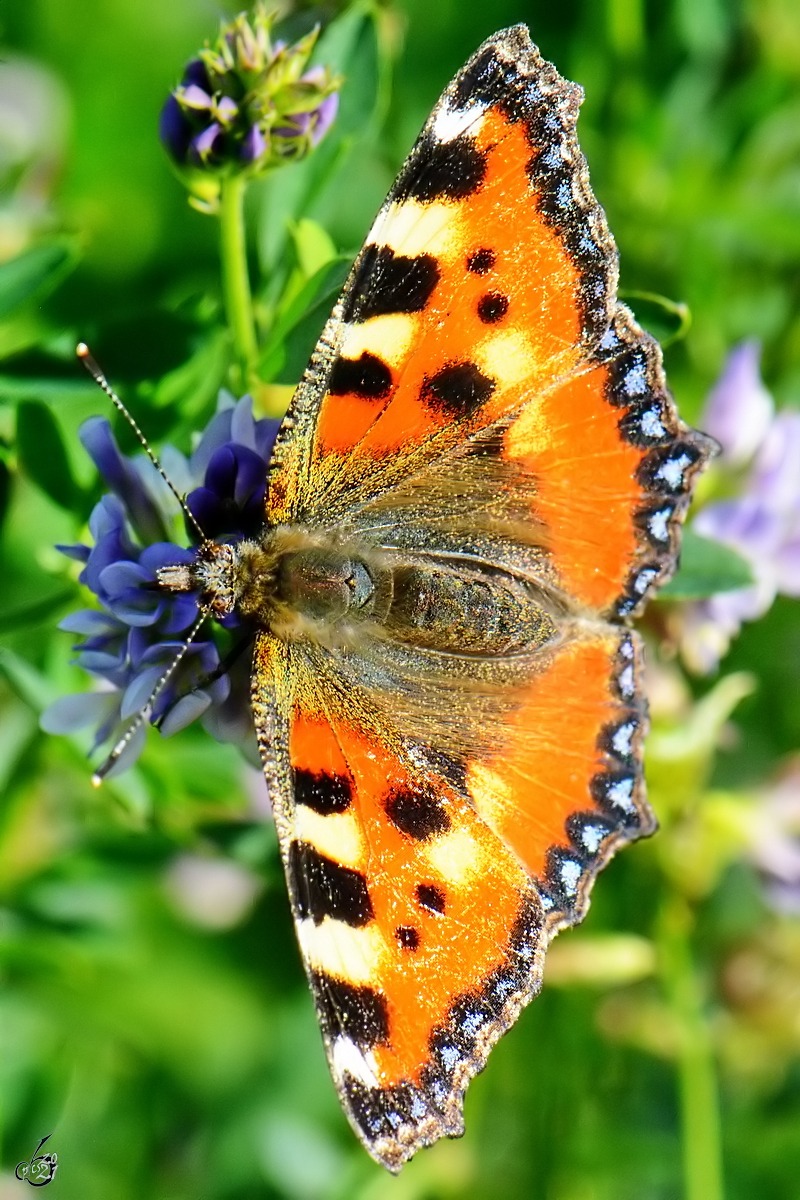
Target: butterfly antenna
x,y
89,361
146,709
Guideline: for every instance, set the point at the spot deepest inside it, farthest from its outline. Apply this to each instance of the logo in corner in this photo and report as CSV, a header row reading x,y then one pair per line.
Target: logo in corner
x,y
40,1169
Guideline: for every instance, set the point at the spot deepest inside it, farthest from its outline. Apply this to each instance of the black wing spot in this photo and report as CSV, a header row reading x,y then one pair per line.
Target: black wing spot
x,y
442,171
407,936
324,888
481,261
359,1013
324,793
492,307
418,814
367,376
430,896
386,282
458,390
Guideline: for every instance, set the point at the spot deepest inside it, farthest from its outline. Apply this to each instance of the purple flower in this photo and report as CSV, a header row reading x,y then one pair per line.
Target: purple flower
x,y
324,116
177,128
247,104
232,498
762,522
203,146
126,480
739,408
254,145
312,124
192,96
775,841
134,635
175,131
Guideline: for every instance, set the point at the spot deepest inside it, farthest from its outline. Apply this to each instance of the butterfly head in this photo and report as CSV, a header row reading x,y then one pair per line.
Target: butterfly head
x,y
212,574
290,581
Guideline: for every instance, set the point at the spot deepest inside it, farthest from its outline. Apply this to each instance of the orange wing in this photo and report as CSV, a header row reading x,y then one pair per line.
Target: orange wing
x,y
424,897
485,300
488,276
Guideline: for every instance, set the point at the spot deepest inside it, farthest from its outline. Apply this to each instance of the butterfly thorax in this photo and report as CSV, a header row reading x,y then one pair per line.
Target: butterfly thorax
x,y
305,586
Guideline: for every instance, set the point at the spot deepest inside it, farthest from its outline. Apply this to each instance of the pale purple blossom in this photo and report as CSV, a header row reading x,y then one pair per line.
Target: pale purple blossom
x,y
193,96
762,522
214,893
739,408
775,841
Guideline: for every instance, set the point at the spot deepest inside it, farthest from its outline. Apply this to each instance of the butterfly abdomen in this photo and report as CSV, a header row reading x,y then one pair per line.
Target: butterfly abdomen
x,y
457,611
304,588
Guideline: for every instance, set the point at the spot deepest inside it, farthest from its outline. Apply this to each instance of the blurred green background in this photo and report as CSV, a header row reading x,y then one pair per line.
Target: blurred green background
x,y
153,1012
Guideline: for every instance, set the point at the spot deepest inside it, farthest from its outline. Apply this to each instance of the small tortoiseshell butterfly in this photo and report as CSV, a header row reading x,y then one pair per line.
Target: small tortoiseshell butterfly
x,y
480,481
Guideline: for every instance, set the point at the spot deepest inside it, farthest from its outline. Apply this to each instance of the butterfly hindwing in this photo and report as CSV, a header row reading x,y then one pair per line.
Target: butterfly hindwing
x,y
563,787
421,932
425,884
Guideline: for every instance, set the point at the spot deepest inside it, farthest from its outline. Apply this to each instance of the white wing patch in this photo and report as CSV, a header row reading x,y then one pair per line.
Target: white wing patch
x,y
336,835
388,336
410,227
508,356
449,123
361,1064
338,949
455,856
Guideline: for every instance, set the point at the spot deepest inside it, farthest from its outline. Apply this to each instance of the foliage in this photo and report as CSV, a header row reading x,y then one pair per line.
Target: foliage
x,y
153,1013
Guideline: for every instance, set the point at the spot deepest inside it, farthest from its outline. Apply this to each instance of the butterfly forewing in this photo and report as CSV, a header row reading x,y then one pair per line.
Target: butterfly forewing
x,y
489,272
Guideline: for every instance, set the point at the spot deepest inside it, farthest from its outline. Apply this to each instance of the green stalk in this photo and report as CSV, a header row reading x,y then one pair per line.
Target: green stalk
x,y
697,1076
235,280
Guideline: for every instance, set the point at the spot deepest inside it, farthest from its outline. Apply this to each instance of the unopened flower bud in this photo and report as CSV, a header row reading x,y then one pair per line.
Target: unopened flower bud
x,y
247,104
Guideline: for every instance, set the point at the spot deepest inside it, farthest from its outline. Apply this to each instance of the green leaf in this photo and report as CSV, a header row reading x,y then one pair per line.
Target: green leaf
x,y
295,333
43,455
192,387
30,684
61,392
706,567
20,331
35,273
29,615
350,45
5,490
313,246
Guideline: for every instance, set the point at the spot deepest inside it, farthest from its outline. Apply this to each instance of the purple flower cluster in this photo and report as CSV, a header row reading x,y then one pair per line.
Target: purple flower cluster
x,y
248,103
137,630
761,522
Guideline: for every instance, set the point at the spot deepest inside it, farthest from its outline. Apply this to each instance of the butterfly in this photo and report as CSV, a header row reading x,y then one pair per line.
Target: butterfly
x,y
480,481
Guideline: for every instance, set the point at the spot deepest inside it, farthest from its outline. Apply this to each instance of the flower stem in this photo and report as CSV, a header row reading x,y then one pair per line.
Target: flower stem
x,y
235,280
699,1097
